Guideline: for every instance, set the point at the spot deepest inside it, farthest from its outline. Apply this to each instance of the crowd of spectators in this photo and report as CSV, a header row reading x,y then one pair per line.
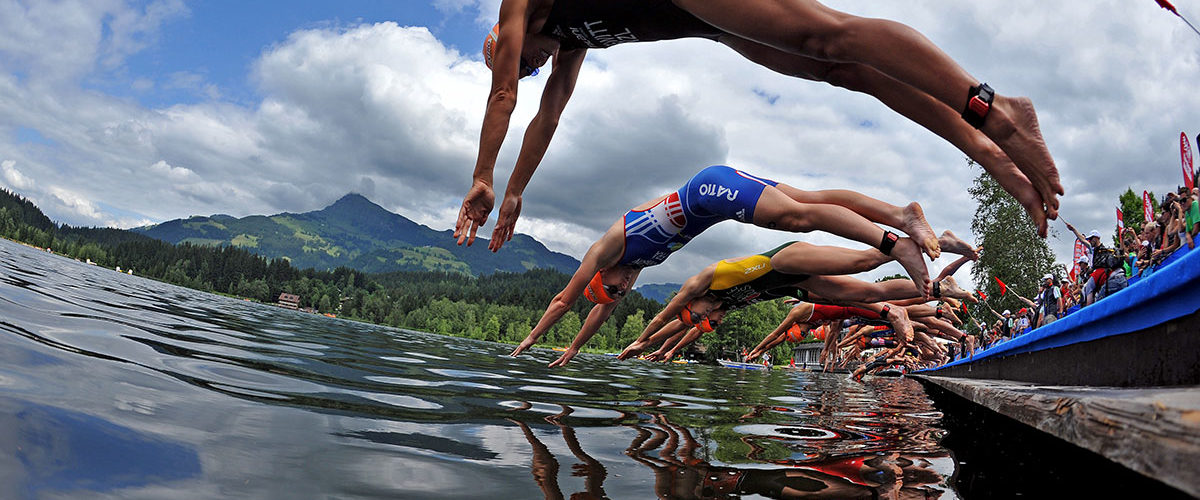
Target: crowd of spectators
x,y
1103,271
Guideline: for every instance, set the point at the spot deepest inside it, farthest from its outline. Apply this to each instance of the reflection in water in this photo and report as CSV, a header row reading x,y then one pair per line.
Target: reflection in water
x,y
62,451
671,452
148,390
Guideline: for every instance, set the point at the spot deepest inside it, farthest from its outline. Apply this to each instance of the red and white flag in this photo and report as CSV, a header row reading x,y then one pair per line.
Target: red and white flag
x,y
1120,221
1185,154
1075,255
1147,206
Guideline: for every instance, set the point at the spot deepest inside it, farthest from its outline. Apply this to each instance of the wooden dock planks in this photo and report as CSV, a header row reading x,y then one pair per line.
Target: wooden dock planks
x,y
1154,431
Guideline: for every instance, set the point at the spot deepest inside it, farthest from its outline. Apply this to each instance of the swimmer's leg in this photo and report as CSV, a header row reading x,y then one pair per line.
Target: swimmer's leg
x,y
775,210
940,116
909,218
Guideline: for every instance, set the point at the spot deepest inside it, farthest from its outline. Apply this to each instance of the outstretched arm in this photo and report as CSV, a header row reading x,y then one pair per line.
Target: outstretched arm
x,y
502,100
559,87
1078,235
693,288
800,312
602,254
595,318
1028,302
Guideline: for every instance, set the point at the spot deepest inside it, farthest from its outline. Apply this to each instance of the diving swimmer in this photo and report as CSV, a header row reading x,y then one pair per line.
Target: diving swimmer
x,y
800,38
648,234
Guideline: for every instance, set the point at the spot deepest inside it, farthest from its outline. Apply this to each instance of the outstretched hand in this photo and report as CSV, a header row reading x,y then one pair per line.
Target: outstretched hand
x,y
565,358
506,223
525,344
633,350
474,212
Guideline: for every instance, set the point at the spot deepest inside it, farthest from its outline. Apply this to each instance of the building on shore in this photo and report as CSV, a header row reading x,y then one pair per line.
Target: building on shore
x,y
289,301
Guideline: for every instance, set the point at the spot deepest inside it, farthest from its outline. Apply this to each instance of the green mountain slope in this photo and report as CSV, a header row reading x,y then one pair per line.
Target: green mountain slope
x,y
356,233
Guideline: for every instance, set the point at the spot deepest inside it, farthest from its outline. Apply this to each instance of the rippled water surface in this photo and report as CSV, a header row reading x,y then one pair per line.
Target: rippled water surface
x,y
114,386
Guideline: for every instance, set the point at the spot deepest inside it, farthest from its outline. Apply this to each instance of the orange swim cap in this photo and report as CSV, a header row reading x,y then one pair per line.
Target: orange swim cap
x,y
489,45
794,334
595,291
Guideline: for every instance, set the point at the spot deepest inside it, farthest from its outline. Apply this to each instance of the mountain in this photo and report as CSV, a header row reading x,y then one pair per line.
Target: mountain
x,y
356,233
661,292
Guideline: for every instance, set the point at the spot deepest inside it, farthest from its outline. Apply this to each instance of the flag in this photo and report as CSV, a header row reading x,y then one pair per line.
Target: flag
x,y
1147,206
1003,287
1079,252
1167,5
964,307
1120,221
1185,153
981,295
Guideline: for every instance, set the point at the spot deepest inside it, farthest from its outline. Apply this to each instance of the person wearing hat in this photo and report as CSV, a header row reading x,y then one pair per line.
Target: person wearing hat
x,y
1099,275
1051,301
1023,323
1005,322
1085,269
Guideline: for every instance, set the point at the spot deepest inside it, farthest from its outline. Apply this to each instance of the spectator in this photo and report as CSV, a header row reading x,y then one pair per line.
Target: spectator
x,y
1151,242
1191,218
1072,301
1024,325
1172,222
1093,242
1085,270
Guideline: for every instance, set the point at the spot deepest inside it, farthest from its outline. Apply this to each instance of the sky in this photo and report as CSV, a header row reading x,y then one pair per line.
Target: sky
x,y
124,113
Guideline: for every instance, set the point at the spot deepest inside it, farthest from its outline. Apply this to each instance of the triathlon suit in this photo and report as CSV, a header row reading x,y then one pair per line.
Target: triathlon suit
x,y
752,279
716,194
591,24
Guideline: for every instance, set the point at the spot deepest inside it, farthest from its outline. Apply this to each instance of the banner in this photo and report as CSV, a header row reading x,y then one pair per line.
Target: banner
x,y
1120,222
1185,153
1147,206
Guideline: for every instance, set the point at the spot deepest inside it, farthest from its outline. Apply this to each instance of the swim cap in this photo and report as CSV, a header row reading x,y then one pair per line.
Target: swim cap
x,y
489,45
794,334
489,53
689,318
595,291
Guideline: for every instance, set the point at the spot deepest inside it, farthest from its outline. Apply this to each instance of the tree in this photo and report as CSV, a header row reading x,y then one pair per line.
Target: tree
x,y
1012,250
1131,206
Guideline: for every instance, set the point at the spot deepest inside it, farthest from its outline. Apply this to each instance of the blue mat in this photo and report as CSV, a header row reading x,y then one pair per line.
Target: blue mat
x,y
1169,291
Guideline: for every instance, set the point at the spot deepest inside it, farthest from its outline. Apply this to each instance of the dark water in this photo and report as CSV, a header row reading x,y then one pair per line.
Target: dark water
x,y
114,386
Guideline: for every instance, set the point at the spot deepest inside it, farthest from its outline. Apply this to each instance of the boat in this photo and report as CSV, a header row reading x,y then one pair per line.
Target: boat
x,y
743,366
1120,377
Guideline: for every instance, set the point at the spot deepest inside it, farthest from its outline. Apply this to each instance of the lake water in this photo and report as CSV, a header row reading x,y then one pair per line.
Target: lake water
x,y
115,386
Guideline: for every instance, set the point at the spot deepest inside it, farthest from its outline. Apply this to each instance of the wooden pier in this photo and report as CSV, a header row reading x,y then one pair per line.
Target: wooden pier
x,y
1120,378
1154,431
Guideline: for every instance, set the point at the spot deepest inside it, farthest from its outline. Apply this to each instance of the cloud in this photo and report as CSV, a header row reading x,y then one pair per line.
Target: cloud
x,y
13,177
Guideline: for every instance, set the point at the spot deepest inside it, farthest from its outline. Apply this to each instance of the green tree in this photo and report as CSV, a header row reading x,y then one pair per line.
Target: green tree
x,y
1012,250
1131,207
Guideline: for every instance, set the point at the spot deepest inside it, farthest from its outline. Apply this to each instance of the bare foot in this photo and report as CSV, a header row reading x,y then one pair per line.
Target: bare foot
x,y
953,244
917,228
950,288
1013,125
908,255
